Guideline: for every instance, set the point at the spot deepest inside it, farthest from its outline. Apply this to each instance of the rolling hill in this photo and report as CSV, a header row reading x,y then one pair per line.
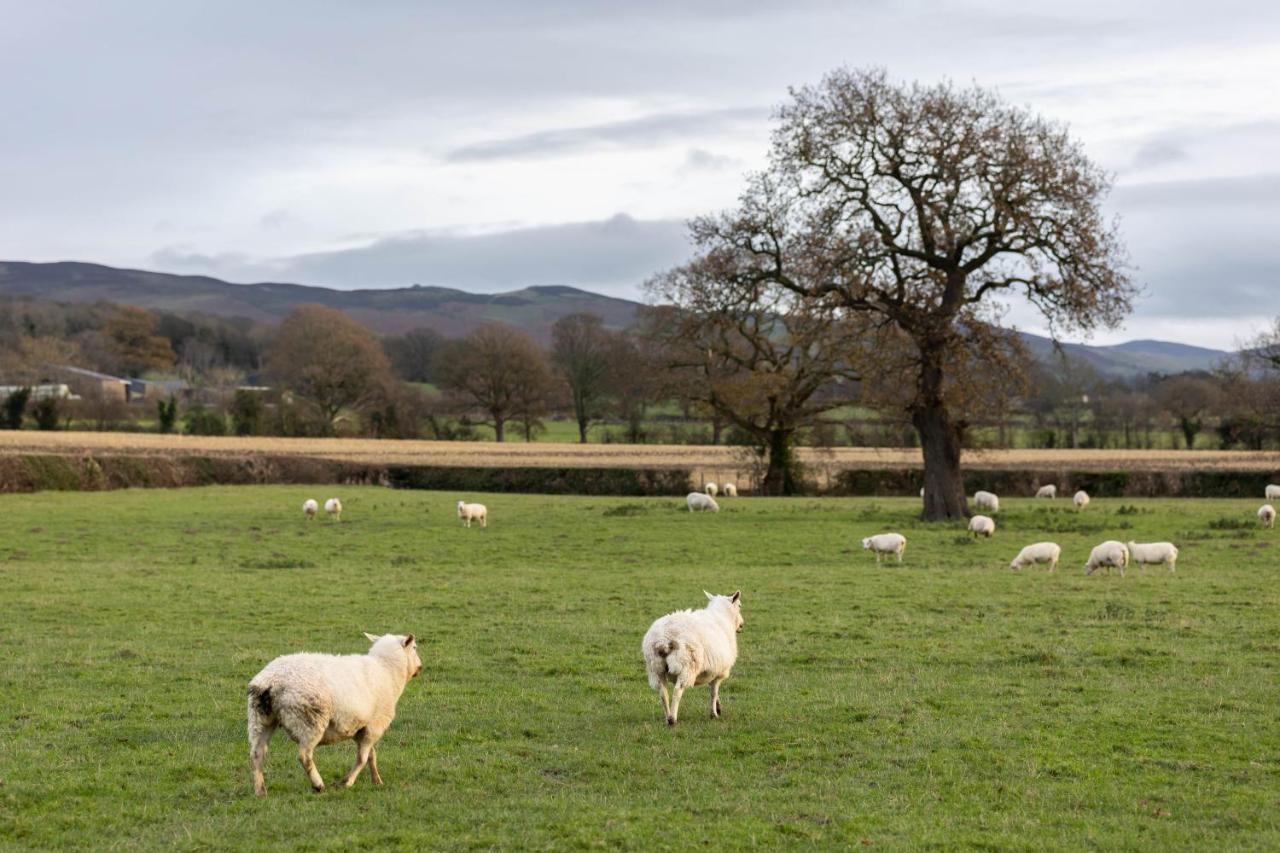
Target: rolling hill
x,y
455,312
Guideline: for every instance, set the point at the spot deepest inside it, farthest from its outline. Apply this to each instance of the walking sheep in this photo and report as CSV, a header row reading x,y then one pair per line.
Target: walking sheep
x,y
986,501
711,489
1108,554
1151,553
309,509
730,490
333,506
981,525
886,543
473,512
1267,515
1047,492
322,699
690,648
698,502
1041,552
1081,500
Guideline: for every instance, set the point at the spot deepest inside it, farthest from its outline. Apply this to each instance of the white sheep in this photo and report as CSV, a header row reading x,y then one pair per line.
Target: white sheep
x,y
1108,554
1050,492
309,509
1040,552
1273,492
473,512
1151,553
333,506
1267,515
710,489
1081,500
886,543
321,699
981,525
690,648
698,502
730,490
986,501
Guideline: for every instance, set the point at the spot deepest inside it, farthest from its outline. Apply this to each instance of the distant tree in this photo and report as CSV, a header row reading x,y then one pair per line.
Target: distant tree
x,y
167,414
413,354
580,347
47,412
247,410
918,206
1265,348
636,381
328,358
99,409
15,407
136,347
496,369
1187,397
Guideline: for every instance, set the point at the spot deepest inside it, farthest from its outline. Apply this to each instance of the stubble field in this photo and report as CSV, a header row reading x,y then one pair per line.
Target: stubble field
x,y
949,702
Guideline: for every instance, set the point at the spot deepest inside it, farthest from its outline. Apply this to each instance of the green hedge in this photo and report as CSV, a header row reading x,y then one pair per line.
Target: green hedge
x,y
550,481
1099,484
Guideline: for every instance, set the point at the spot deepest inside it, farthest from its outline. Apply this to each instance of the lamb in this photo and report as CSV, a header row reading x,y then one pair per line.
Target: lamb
x,y
730,490
1267,515
333,506
711,489
986,501
886,543
309,509
473,512
690,648
1150,553
1108,554
1041,552
1050,492
981,525
1081,500
1273,492
321,699
698,502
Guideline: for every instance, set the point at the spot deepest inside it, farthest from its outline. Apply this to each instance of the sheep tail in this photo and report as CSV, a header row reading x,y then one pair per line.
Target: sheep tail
x,y
261,698
662,648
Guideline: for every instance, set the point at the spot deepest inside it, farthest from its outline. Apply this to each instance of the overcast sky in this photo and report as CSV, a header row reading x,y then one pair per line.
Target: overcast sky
x,y
489,146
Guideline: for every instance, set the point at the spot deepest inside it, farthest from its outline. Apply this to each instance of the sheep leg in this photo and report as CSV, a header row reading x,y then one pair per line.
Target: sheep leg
x,y
373,766
306,752
666,699
676,692
258,754
364,747
715,699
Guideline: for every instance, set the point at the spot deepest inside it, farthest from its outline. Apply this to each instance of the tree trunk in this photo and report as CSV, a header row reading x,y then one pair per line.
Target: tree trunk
x,y
499,431
582,429
780,476
944,496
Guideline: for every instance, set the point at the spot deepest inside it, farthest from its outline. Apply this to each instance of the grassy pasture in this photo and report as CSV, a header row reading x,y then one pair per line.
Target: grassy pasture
x,y
947,703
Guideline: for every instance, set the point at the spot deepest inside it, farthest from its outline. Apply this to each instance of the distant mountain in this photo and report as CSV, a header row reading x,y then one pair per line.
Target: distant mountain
x,y
455,312
451,312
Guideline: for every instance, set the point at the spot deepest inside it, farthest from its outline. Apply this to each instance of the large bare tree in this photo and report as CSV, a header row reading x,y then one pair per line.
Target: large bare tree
x,y
922,207
498,370
580,347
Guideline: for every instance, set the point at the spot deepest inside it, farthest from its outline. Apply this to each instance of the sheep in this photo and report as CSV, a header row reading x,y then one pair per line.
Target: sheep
x,y
886,543
333,507
1267,515
1150,553
321,699
1050,492
690,648
986,501
309,509
981,525
1041,552
1108,554
1081,500
730,490
1273,492
711,489
698,502
473,512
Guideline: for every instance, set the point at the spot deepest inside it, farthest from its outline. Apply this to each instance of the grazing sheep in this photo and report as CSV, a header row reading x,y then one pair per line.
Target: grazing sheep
x,y
698,502
321,699
473,512
986,501
886,543
1151,553
1273,492
309,509
1267,515
1050,492
730,490
333,506
1108,554
981,525
690,648
1081,500
1041,552
711,489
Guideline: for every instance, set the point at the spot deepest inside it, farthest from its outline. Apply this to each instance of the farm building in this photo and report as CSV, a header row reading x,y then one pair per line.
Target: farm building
x,y
91,383
57,391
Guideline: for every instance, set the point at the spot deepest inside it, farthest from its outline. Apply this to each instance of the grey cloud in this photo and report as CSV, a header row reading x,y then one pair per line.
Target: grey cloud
x,y
648,130
1234,191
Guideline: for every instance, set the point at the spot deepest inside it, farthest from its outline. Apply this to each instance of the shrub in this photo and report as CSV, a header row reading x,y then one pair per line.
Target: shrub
x,y
15,407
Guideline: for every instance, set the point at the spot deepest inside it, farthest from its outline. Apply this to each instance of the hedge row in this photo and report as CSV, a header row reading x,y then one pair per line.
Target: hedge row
x,y
549,481
1130,484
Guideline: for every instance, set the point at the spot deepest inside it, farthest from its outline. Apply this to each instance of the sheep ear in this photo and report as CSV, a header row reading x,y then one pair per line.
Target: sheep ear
x,y
737,596
373,638
408,641
709,596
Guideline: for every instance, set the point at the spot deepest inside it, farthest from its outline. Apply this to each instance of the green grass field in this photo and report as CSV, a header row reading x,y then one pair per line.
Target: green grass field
x,y
947,703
